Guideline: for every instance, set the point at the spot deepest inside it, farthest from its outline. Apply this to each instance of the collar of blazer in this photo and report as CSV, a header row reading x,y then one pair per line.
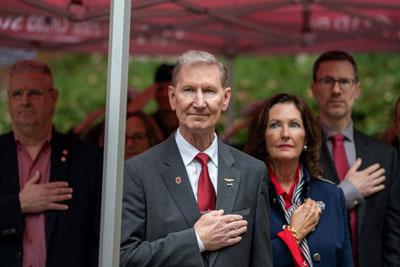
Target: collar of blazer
x,y
173,169
273,196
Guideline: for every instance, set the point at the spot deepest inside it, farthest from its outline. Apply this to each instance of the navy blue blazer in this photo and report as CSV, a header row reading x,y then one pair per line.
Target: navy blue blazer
x,y
72,236
330,242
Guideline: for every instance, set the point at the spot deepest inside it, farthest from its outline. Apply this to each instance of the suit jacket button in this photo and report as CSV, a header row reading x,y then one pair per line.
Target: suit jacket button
x,y
317,257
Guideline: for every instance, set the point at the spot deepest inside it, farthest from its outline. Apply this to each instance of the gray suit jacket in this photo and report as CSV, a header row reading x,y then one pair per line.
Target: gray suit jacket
x,y
378,218
159,213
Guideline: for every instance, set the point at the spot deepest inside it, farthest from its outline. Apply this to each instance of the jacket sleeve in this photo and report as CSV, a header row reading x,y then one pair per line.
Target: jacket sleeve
x,y
175,249
345,257
391,236
11,217
261,251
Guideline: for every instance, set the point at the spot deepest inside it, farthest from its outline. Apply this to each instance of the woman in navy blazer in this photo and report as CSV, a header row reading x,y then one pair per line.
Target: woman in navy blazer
x,y
308,219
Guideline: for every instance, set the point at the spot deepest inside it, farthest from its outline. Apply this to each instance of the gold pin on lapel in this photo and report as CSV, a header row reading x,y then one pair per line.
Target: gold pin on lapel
x,y
229,181
178,180
63,159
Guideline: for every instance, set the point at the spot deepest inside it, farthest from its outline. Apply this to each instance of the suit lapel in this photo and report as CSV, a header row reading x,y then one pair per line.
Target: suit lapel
x,y
367,160
328,167
174,175
9,181
228,179
228,185
60,162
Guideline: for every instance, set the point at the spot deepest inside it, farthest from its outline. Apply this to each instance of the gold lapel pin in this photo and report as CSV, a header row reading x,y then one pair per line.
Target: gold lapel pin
x,y
63,159
229,181
178,180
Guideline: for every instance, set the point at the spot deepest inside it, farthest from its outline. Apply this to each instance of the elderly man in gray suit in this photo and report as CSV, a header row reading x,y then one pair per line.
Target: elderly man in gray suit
x,y
193,200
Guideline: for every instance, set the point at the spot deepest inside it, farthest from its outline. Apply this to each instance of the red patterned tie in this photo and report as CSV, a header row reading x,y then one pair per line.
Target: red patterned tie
x,y
342,166
205,190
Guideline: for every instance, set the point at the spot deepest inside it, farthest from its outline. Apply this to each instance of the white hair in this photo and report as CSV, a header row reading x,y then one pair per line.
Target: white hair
x,y
194,57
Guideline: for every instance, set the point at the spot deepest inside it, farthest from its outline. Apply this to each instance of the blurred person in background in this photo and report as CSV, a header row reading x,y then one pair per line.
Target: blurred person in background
x,y
164,116
141,133
308,217
50,183
92,126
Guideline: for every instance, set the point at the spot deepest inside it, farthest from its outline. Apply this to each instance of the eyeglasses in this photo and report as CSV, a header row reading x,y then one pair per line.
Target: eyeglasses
x,y
329,82
140,136
34,94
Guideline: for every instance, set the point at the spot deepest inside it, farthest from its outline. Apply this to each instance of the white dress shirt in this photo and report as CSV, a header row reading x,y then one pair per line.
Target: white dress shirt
x,y
193,167
352,196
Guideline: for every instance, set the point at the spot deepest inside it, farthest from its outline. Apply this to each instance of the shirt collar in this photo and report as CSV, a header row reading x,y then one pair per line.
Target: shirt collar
x,y
188,152
329,132
279,190
45,143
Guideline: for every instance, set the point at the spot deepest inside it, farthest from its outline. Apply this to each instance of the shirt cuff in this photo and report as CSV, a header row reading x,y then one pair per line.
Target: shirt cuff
x,y
288,238
352,196
200,243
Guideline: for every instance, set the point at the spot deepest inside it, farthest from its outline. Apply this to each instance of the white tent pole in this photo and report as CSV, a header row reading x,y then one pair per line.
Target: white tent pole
x,y
114,133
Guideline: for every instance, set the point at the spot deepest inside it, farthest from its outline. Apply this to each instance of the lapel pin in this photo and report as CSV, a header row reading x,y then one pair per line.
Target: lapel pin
x,y
63,159
229,181
65,152
178,180
321,204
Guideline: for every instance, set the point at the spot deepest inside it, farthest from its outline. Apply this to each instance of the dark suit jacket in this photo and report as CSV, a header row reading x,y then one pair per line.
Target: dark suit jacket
x,y
329,243
159,213
378,218
72,235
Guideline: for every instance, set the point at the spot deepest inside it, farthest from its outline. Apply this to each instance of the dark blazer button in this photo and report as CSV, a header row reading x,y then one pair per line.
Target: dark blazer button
x,y
316,257
19,254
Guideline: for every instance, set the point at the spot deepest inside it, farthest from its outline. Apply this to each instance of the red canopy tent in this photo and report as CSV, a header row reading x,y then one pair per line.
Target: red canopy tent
x,y
228,27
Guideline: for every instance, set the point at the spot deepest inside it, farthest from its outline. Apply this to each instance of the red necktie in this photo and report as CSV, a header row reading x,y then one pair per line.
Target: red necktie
x,y
339,156
205,190
342,166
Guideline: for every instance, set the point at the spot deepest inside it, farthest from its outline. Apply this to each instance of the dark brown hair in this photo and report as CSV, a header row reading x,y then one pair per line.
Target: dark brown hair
x,y
256,143
335,55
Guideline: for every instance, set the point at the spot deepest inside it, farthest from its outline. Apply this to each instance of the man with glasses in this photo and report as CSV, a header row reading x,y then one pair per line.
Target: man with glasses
x,y
366,169
50,183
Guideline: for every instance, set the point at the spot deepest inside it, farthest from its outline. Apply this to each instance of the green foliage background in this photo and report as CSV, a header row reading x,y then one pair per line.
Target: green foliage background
x,y
82,81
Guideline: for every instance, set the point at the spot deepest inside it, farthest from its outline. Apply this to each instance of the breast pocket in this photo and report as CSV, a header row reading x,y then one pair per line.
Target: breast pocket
x,y
244,212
